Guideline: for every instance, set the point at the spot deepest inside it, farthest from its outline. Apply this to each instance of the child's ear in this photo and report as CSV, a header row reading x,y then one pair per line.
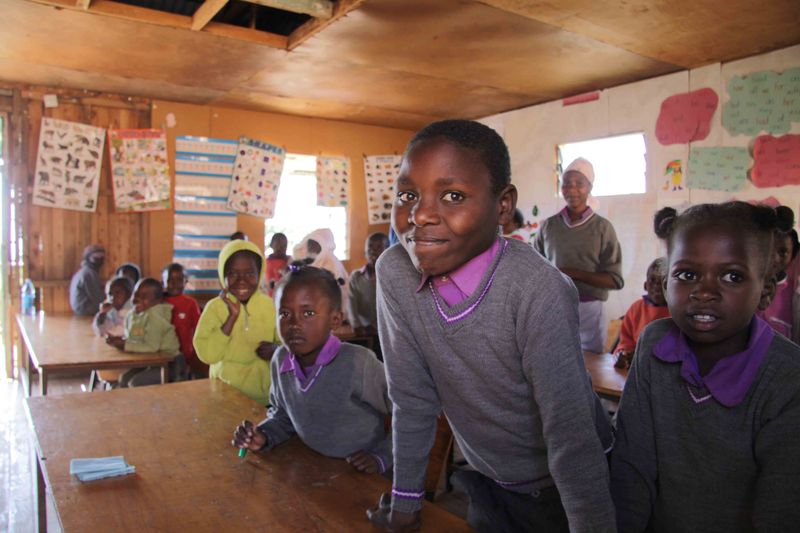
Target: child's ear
x,y
507,202
767,293
337,317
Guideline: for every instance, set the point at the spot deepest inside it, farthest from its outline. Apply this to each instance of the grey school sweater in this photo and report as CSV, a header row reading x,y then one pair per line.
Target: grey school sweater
x,y
681,466
509,376
592,246
340,414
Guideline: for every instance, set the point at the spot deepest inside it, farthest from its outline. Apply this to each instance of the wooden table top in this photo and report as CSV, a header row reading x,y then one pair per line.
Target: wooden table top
x,y
60,341
606,379
188,477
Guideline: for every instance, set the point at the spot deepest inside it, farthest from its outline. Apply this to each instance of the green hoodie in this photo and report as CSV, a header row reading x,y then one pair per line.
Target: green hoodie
x,y
151,330
233,358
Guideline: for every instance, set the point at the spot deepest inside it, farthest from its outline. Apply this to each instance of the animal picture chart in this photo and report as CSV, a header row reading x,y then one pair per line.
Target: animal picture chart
x,y
68,165
333,175
256,177
203,222
139,169
380,172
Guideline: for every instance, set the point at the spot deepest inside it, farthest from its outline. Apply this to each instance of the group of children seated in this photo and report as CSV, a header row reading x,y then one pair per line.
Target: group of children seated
x,y
485,330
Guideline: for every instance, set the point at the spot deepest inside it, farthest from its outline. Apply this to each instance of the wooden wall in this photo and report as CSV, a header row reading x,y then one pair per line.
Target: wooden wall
x,y
55,238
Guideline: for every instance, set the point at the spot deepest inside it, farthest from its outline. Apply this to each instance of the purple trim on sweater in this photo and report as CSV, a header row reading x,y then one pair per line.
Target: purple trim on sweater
x,y
463,314
585,216
407,494
730,379
381,464
328,353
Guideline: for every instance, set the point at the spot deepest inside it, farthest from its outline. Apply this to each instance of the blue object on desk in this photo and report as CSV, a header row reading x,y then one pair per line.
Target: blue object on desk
x,y
93,468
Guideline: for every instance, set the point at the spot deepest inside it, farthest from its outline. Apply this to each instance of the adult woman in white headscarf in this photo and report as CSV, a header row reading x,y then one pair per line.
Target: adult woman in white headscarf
x,y
319,246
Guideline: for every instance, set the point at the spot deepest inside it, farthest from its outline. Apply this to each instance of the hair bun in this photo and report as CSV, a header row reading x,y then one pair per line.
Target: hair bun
x,y
663,222
785,218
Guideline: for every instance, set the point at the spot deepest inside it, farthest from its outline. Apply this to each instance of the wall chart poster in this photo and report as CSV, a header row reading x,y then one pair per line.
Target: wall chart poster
x,y
762,101
203,222
718,168
256,177
333,175
686,117
380,172
139,169
68,165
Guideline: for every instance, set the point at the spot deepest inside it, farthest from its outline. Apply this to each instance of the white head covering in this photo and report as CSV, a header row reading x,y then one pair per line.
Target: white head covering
x,y
583,166
325,259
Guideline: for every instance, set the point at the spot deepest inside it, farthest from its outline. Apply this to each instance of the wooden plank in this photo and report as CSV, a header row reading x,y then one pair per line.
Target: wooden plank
x,y
307,30
83,4
246,34
207,11
321,9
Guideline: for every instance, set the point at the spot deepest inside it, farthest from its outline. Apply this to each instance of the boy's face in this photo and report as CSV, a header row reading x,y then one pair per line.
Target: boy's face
x,y
714,286
145,297
783,253
575,189
279,245
445,212
175,282
374,249
118,296
654,285
305,318
241,276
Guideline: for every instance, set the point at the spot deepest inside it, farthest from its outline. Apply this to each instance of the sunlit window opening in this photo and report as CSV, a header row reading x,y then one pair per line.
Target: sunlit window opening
x,y
619,163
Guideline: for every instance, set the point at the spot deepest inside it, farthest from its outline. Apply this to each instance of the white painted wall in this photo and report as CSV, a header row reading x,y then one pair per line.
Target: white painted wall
x,y
533,133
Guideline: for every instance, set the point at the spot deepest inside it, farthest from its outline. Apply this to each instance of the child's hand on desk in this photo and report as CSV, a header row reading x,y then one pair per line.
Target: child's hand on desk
x,y
248,437
265,350
116,342
384,518
364,462
623,359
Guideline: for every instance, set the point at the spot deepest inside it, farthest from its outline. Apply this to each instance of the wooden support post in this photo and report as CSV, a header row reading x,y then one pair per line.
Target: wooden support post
x,y
206,12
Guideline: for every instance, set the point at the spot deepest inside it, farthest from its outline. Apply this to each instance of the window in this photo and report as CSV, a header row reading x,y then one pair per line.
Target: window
x,y
619,163
296,211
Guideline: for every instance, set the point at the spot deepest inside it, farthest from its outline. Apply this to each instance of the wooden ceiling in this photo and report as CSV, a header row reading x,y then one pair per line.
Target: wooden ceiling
x,y
398,63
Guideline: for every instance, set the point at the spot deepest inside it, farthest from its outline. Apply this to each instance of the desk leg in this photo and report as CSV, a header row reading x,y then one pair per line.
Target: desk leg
x,y
41,499
42,382
163,374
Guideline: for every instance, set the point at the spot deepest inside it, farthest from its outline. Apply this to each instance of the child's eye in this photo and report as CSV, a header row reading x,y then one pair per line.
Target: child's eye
x,y
309,313
406,196
283,314
452,196
684,275
732,277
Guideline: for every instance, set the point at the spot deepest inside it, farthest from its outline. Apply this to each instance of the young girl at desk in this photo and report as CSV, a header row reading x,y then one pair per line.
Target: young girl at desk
x,y
708,429
110,319
486,330
236,332
332,394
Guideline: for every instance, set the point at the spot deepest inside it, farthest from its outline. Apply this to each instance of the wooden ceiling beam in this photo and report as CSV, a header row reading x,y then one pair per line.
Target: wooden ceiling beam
x,y
321,9
315,25
206,12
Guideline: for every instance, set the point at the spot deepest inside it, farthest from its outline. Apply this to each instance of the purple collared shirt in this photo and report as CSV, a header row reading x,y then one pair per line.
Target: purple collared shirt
x,y
458,285
328,353
730,379
585,216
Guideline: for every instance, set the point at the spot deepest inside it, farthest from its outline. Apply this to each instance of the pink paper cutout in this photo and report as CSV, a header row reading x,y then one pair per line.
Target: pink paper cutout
x,y
776,161
686,117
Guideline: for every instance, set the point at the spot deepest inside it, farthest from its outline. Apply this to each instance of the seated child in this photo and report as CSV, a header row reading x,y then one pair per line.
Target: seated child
x,y
651,307
277,261
484,329
130,271
781,313
331,394
110,319
148,329
236,333
185,314
708,427
363,315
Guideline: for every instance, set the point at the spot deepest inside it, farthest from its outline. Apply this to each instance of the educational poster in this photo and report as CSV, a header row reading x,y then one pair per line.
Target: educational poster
x,y
718,168
333,174
203,221
256,177
686,117
139,169
380,172
673,176
776,161
762,101
68,165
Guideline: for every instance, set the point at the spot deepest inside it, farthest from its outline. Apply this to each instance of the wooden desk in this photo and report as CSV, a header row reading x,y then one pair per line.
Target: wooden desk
x,y
607,381
188,477
345,333
63,343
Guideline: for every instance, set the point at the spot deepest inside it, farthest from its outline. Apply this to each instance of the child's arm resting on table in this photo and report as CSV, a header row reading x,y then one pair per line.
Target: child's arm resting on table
x,y
248,437
277,427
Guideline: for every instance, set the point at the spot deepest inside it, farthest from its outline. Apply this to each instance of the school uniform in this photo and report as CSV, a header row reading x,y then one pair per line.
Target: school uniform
x,y
185,315
148,332
363,312
337,406
639,314
589,244
505,370
719,452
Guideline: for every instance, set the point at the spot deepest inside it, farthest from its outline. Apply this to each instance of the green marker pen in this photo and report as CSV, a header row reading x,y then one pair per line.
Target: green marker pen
x,y
242,452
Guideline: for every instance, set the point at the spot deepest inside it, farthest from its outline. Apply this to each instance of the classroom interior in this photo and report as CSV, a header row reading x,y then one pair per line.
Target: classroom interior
x,y
357,80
